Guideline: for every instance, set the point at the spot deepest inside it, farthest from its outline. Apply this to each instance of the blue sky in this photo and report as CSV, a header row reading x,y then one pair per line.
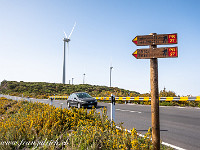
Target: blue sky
x,y
31,42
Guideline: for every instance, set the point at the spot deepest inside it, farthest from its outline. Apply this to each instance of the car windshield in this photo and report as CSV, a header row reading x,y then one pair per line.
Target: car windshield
x,y
83,95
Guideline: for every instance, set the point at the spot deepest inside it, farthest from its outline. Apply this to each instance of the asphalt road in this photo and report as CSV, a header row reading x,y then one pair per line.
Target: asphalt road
x,y
179,126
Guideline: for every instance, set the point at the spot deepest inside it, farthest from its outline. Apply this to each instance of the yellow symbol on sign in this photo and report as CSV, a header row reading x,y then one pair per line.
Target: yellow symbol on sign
x,y
135,40
172,36
135,54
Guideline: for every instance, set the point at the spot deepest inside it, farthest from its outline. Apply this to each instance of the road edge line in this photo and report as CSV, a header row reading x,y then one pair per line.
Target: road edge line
x,y
173,146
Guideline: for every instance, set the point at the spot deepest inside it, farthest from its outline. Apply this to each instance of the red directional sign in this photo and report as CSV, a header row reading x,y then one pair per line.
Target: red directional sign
x,y
164,52
159,39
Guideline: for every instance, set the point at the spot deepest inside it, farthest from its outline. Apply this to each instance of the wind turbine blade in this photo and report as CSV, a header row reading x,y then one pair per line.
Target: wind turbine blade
x,y
72,29
65,34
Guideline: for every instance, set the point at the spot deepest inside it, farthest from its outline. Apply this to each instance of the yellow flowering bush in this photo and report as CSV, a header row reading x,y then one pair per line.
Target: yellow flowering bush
x,y
65,129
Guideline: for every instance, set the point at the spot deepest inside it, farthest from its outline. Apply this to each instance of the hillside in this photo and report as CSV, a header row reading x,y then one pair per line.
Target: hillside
x,y
43,89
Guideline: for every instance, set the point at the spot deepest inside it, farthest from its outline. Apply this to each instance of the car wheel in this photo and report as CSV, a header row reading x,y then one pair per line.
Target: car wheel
x,y
79,105
68,105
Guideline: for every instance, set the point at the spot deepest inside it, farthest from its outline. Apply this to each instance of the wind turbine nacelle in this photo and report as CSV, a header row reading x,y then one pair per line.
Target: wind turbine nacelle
x,y
66,40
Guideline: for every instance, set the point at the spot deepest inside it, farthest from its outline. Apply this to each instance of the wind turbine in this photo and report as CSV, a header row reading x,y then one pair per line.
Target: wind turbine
x,y
66,39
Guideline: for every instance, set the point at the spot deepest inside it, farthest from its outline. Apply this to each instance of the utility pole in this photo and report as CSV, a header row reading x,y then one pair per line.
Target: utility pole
x,y
84,78
154,100
110,74
72,80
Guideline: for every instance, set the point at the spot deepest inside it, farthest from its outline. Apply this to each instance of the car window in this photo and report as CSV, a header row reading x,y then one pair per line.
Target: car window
x,y
83,95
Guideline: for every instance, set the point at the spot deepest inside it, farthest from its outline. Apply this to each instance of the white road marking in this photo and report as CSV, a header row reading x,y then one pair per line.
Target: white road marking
x,y
180,107
130,104
122,110
163,143
132,111
173,146
129,111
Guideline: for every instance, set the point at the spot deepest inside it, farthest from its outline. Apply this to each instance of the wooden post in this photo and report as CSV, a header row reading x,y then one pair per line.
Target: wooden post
x,y
153,53
154,101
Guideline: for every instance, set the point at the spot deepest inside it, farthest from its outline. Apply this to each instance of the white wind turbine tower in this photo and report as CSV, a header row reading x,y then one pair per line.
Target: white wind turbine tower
x,y
67,39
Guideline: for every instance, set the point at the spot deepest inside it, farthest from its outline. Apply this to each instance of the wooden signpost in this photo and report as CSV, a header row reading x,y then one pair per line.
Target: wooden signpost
x,y
160,39
163,52
153,53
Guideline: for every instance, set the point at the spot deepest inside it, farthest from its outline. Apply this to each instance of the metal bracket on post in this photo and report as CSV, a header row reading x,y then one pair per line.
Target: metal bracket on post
x,y
112,107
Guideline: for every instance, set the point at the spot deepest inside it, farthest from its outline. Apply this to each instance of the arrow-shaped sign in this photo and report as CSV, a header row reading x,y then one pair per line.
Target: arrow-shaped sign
x,y
164,52
159,39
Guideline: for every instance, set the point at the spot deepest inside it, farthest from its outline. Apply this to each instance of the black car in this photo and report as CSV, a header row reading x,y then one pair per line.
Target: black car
x,y
81,99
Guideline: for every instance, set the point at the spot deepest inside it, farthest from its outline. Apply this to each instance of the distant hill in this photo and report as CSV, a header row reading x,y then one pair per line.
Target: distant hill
x,y
43,89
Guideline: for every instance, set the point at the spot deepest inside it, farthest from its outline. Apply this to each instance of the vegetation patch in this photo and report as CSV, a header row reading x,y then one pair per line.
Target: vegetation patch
x,y
41,126
44,90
